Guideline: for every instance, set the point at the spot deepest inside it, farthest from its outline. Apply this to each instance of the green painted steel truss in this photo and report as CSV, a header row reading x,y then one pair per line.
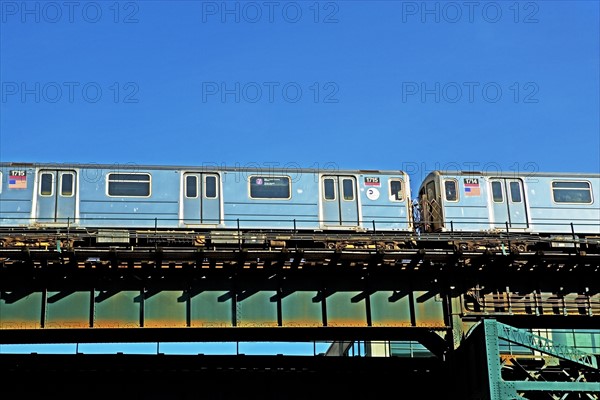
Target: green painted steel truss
x,y
546,370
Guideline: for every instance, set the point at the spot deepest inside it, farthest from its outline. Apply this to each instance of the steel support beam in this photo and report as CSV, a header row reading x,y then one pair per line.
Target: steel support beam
x,y
501,389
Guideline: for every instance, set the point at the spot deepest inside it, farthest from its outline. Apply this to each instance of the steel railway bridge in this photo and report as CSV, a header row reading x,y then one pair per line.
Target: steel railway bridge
x,y
494,320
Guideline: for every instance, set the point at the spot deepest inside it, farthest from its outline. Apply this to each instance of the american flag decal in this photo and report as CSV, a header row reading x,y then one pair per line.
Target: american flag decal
x,y
472,187
17,180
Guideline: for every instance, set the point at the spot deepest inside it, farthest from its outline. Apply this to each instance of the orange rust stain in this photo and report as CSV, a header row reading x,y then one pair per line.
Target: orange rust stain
x,y
346,322
210,324
302,323
392,324
67,324
115,323
430,321
257,324
161,323
19,324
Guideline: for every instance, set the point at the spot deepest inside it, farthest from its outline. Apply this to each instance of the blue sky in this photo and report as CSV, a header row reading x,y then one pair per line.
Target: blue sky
x,y
405,85
355,84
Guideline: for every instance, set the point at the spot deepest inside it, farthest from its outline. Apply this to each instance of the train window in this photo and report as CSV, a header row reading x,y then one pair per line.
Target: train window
x,y
431,191
191,187
46,184
515,192
396,190
269,187
132,185
497,192
450,190
572,192
348,188
329,189
210,187
431,207
66,184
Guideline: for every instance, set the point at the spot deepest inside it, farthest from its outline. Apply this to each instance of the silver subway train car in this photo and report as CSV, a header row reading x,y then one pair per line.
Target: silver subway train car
x,y
178,198
545,203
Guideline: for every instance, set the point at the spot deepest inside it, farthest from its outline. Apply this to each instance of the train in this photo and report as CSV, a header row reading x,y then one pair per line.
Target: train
x,y
45,204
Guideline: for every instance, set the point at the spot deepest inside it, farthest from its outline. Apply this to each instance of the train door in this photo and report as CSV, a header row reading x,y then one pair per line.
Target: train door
x,y
508,203
339,200
56,196
431,207
201,203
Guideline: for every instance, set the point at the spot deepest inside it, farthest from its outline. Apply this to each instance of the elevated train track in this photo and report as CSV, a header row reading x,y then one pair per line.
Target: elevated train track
x,y
490,278
298,286
458,259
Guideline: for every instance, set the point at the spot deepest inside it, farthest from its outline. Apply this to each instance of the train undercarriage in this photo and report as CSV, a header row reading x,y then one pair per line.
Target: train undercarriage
x,y
507,243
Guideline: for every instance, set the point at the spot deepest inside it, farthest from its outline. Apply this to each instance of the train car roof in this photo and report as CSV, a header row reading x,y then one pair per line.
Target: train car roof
x,y
328,168
514,174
